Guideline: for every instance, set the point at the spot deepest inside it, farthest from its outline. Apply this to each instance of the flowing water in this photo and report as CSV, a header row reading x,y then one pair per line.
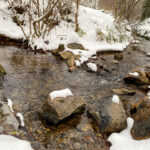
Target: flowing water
x,y
31,77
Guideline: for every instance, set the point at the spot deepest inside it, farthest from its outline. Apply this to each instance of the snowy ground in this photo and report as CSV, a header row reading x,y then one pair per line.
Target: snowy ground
x,y
11,143
143,28
98,31
124,140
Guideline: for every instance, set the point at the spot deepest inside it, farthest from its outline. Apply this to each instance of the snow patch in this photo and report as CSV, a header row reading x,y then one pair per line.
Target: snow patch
x,y
10,104
124,140
20,116
115,99
92,66
8,142
148,94
62,93
136,74
143,28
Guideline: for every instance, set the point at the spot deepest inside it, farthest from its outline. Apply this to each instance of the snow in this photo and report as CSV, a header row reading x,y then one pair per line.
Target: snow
x,y
10,104
136,74
92,66
143,28
20,116
115,99
62,93
12,143
124,140
7,26
148,94
148,54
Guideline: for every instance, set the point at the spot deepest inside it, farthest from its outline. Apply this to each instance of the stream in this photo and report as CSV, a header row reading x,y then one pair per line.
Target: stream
x,y
31,77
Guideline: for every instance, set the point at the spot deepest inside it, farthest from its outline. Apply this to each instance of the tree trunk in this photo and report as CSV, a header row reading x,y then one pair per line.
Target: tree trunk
x,y
76,16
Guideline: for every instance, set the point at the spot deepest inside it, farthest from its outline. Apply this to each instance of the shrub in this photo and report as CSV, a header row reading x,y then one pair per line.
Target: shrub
x,y
146,10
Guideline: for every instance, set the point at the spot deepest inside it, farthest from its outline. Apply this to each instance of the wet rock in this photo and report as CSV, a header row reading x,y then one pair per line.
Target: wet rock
x,y
70,59
118,56
109,116
147,71
129,100
75,46
58,109
137,77
66,55
2,71
124,91
61,48
140,112
8,121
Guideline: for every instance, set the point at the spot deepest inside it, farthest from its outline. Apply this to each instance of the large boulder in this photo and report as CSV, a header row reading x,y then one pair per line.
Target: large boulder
x,y
140,112
138,77
2,71
60,108
109,116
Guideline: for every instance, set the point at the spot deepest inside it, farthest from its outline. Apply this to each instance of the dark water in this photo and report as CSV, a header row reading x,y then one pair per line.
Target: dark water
x,y
30,78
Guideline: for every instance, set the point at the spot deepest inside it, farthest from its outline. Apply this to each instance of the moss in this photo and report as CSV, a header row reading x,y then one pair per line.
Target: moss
x,y
2,71
146,10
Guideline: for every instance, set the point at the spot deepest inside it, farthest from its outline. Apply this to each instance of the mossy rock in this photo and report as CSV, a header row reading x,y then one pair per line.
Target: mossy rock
x,y
75,46
2,70
66,55
60,49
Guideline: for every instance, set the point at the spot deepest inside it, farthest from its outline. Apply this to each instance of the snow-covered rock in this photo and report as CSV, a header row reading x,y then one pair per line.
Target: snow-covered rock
x,y
61,105
61,93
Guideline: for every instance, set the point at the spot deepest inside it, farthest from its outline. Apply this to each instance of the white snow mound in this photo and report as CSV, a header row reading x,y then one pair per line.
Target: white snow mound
x,y
136,74
62,93
92,66
8,142
115,99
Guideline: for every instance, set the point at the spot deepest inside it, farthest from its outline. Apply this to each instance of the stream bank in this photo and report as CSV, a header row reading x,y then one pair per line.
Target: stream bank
x,y
31,77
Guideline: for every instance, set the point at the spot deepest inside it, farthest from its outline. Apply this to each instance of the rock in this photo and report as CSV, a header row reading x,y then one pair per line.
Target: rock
x,y
109,116
124,91
8,121
141,114
147,71
58,109
75,46
118,56
70,59
139,79
130,99
61,48
2,71
66,55
71,69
